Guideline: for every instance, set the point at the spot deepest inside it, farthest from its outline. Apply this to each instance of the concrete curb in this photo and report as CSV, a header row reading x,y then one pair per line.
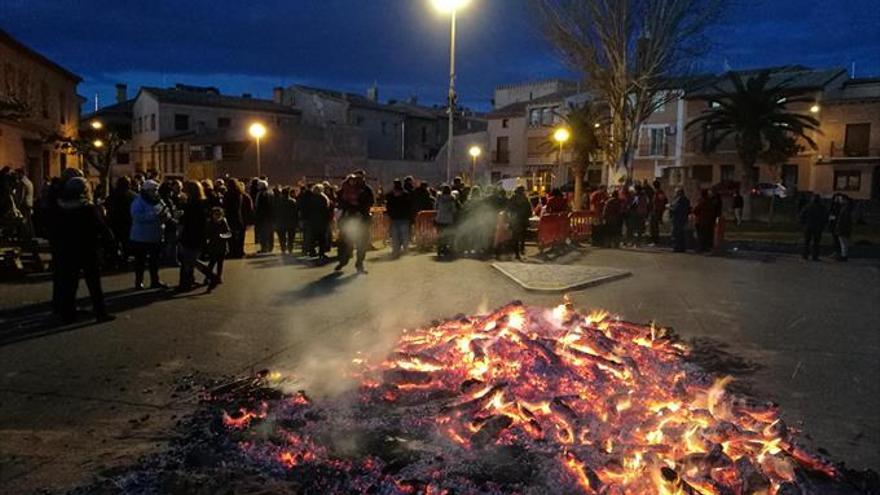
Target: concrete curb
x,y
592,282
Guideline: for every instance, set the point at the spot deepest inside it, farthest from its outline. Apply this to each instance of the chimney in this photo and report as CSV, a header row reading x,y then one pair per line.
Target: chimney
x,y
413,100
278,95
246,95
373,93
121,92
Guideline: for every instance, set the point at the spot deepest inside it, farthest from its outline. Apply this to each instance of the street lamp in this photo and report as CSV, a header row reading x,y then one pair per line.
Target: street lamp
x,y
97,125
475,153
814,109
561,136
97,143
257,131
450,7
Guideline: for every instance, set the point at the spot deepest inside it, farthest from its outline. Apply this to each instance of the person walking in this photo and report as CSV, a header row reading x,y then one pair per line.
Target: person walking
x,y
80,226
148,217
843,226
813,218
233,209
519,210
193,223
286,218
218,235
399,207
355,201
679,211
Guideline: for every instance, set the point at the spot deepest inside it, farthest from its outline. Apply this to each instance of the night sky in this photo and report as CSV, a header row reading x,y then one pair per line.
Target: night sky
x,y
251,46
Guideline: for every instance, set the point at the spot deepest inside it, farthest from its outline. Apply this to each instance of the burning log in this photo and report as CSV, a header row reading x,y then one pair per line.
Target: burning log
x,y
490,428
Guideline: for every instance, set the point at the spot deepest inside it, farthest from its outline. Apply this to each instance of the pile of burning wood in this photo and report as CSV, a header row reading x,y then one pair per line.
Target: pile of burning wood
x,y
522,400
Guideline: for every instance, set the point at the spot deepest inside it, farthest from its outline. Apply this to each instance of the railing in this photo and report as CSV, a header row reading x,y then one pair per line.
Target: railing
x,y
501,156
838,151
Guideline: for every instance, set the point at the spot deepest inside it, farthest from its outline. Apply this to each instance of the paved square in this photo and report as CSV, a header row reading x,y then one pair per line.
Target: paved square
x,y
558,278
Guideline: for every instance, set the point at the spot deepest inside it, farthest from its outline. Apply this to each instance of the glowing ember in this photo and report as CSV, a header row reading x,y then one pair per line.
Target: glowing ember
x,y
599,405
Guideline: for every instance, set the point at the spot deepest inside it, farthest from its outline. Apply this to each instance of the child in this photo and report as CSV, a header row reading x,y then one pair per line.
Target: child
x,y
218,234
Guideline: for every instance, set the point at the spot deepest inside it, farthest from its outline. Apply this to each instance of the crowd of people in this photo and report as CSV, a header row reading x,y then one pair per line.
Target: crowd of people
x,y
146,223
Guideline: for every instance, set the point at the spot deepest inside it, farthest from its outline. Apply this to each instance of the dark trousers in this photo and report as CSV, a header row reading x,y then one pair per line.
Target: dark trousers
x,y
656,220
216,260
519,240
354,234
679,238
67,269
189,263
265,233
236,242
812,239
706,236
285,238
146,253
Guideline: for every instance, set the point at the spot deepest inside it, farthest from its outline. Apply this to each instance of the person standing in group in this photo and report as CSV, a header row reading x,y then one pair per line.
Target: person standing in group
x,y
318,215
637,211
612,220
598,199
658,207
422,199
233,208
81,226
119,216
833,211
679,211
843,226
738,204
813,218
399,207
169,194
193,223
704,219
148,217
355,200
447,210
218,235
557,203
520,210
286,218
264,229
24,199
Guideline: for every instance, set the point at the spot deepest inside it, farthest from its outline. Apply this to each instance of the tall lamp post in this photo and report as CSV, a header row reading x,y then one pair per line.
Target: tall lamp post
x,y
561,136
450,7
257,131
475,153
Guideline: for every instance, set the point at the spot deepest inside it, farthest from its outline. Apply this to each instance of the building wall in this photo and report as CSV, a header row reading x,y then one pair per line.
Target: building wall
x,y
515,93
316,109
515,132
54,109
383,131
835,116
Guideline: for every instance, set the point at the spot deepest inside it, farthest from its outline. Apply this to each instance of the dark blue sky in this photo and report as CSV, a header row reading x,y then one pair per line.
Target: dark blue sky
x,y
251,46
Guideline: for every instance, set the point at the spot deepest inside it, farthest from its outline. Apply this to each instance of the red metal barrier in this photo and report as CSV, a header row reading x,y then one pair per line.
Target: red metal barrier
x,y
720,228
380,225
552,230
580,225
424,230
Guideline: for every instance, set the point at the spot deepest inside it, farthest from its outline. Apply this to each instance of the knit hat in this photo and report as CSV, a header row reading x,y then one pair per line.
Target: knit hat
x,y
150,185
75,187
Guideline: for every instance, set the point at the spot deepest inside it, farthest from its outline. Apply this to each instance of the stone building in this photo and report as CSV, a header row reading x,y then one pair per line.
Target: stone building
x,y
38,101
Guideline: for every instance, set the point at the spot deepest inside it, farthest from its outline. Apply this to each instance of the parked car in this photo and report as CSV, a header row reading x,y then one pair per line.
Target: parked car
x,y
769,190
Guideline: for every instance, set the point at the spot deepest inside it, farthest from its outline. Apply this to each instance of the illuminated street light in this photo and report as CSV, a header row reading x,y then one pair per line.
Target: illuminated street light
x,y
97,125
814,109
597,125
450,7
97,143
257,131
475,153
561,136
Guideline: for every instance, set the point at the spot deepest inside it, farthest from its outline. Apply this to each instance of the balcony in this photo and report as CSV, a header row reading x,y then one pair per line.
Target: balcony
x,y
840,151
501,156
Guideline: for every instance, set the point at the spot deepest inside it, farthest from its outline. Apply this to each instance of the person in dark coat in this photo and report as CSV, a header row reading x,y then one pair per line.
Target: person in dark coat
x,y
399,207
422,199
264,229
233,209
119,215
658,207
217,234
612,219
519,210
355,201
318,213
193,227
80,228
679,211
704,220
813,218
843,226
286,218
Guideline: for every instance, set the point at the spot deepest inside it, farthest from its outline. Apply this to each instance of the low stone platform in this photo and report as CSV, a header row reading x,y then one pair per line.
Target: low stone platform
x,y
558,278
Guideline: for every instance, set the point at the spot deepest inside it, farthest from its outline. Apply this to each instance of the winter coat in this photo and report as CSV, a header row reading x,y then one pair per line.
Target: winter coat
x,y
193,223
447,208
520,211
147,220
399,205
217,244
814,217
679,210
843,223
81,227
286,212
704,213
232,207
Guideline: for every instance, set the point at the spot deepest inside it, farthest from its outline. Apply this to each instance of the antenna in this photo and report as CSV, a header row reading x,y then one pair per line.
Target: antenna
x,y
96,101
853,72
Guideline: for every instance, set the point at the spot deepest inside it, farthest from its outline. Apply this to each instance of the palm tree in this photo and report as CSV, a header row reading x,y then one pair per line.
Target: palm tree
x,y
585,124
755,112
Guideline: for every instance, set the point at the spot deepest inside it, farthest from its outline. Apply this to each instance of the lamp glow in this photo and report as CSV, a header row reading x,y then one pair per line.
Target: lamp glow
x,y
96,125
814,109
257,130
475,151
97,143
561,135
449,6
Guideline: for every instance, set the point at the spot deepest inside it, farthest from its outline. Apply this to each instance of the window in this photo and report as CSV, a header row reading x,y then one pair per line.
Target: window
x,y
181,122
728,173
504,123
424,134
62,108
847,180
547,116
858,138
702,173
223,122
44,99
657,146
502,149
534,117
152,121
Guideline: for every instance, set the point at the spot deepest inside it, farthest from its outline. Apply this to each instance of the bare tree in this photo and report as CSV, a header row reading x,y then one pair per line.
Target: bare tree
x,y
628,51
